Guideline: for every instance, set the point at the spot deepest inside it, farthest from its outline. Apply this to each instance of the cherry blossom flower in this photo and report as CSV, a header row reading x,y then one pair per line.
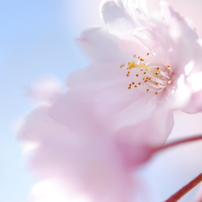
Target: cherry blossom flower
x,y
142,67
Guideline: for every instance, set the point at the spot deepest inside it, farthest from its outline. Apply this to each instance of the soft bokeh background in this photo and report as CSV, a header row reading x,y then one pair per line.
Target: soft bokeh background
x,y
37,40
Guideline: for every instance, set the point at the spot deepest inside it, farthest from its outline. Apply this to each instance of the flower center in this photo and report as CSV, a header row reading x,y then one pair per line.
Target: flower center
x,y
148,77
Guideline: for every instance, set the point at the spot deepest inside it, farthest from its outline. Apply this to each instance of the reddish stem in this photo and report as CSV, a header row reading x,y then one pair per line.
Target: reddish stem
x,y
178,142
179,194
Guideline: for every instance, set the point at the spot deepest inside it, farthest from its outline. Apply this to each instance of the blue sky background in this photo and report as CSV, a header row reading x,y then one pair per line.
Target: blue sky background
x,y
37,39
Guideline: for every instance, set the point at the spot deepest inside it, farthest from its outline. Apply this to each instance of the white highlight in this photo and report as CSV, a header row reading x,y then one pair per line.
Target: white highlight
x,y
182,93
51,190
189,67
195,81
29,147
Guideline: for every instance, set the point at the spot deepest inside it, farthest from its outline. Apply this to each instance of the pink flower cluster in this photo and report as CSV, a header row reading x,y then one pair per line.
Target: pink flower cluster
x,y
88,141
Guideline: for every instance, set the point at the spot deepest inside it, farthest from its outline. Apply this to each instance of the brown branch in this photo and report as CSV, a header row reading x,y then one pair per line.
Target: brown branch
x,y
178,142
179,194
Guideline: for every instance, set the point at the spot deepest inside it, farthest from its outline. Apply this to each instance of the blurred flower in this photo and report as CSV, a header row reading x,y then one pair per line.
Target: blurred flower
x,y
45,89
78,165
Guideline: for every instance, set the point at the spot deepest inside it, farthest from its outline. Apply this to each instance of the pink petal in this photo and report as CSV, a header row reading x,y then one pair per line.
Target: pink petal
x,y
86,162
154,41
103,90
137,141
194,104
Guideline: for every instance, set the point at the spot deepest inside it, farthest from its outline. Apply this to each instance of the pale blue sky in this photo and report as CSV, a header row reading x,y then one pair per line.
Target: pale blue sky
x,y
36,39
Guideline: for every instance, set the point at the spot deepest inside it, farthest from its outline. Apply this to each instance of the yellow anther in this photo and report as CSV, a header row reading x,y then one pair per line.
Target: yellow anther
x,y
148,53
170,82
147,90
137,75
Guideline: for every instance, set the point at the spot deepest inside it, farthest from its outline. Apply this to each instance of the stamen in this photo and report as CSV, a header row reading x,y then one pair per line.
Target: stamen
x,y
156,78
128,73
170,82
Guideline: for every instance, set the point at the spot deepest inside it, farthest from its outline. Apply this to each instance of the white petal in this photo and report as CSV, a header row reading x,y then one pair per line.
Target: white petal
x,y
123,15
181,37
102,46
